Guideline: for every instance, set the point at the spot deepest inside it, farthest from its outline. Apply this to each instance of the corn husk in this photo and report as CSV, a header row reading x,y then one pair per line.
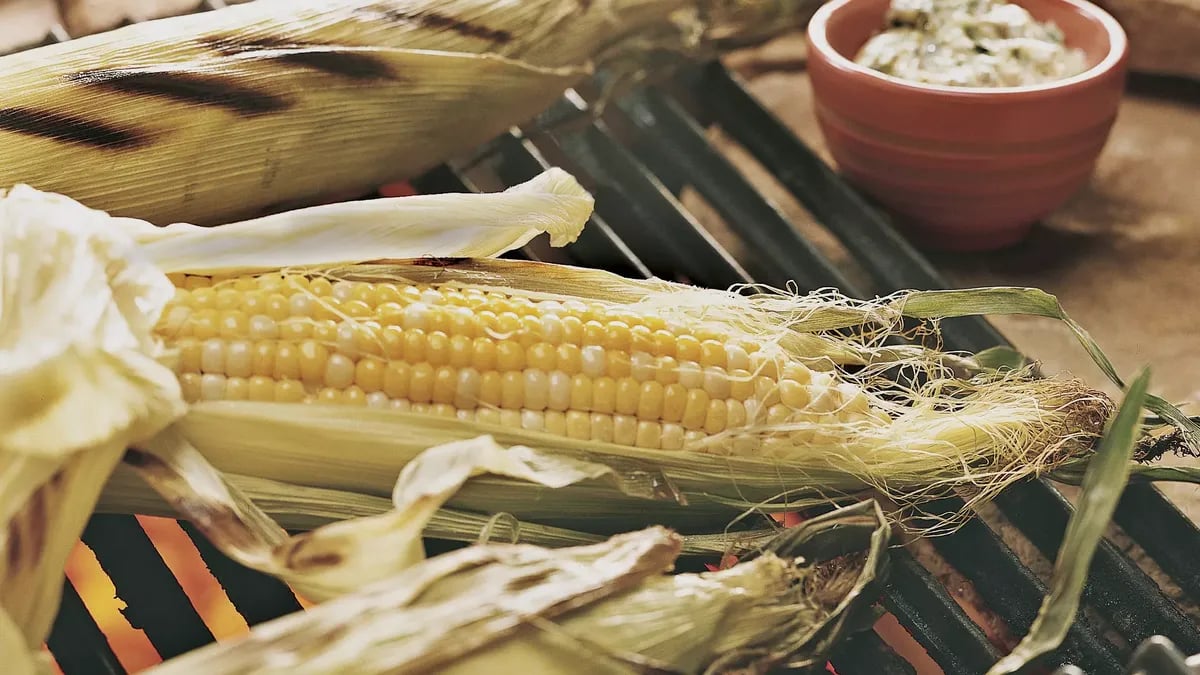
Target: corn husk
x,y
604,608
82,376
340,557
218,116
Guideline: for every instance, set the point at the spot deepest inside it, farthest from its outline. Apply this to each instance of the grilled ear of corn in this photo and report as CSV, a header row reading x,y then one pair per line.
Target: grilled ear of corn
x,y
609,364
217,116
604,608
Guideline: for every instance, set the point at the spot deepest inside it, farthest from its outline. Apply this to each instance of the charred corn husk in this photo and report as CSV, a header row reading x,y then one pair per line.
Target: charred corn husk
x,y
216,116
604,608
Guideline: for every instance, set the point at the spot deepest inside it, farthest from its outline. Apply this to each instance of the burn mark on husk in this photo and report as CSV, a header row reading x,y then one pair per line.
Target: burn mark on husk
x,y
70,129
31,520
432,19
138,459
218,91
439,262
329,59
298,557
15,545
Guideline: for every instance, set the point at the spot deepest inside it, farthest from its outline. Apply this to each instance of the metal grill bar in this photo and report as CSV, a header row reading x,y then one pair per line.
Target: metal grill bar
x,y
890,259
866,653
1015,594
791,161
950,637
784,256
77,642
644,213
1161,529
1132,602
156,603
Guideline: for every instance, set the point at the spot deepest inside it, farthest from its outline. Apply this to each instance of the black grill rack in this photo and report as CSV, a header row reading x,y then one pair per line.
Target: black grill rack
x,y
636,159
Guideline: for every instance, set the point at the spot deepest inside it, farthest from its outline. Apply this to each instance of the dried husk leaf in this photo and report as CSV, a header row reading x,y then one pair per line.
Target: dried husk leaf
x,y
221,115
1103,484
604,608
340,557
79,379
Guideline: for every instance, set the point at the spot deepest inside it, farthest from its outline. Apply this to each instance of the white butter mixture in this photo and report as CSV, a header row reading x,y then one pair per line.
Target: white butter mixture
x,y
969,43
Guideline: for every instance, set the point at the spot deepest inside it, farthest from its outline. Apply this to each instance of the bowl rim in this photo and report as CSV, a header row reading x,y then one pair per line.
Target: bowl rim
x,y
1117,40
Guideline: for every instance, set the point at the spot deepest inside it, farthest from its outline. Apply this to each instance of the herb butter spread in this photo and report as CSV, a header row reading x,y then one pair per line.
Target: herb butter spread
x,y
969,43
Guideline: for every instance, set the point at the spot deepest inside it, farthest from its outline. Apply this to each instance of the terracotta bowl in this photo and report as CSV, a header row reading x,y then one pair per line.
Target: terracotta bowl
x,y
965,168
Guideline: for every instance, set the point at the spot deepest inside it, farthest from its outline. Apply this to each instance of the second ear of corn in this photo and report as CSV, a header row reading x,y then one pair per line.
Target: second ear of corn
x,y
221,115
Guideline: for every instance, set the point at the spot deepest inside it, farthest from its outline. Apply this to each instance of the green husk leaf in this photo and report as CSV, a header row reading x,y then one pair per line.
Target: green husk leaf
x,y
1138,473
1001,301
1105,480
1001,357
604,608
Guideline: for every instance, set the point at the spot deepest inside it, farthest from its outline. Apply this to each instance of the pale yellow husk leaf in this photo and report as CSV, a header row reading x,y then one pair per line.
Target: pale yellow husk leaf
x,y
446,225
79,380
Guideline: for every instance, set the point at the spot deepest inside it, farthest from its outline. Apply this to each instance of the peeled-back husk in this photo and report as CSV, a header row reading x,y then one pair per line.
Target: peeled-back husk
x,y
603,608
220,115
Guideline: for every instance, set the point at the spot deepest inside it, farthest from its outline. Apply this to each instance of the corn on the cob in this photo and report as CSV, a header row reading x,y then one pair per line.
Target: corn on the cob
x,y
220,115
583,370
579,368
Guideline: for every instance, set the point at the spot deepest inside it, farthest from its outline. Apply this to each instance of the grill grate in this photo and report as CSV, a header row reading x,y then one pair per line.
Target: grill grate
x,y
640,228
